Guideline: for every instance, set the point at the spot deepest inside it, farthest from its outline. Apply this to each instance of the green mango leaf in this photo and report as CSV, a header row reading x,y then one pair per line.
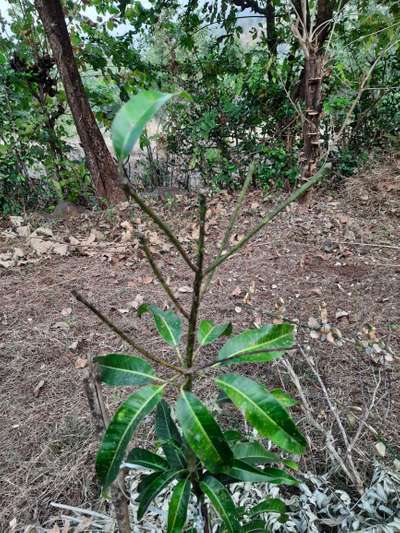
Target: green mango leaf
x,y
152,489
246,472
222,502
120,430
231,435
145,481
169,436
132,118
255,526
202,432
178,506
283,397
263,411
239,349
168,324
254,453
208,332
118,370
270,505
147,459
291,464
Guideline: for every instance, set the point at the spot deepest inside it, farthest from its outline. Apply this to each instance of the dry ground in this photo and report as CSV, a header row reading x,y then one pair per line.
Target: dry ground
x,y
305,257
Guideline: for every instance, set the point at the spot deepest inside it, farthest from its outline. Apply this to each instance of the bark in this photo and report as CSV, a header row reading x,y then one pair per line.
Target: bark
x,y
102,167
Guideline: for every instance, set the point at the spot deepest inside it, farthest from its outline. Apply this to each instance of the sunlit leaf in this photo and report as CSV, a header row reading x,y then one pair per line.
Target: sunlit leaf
x,y
263,411
283,397
241,348
202,432
133,117
254,453
120,430
270,505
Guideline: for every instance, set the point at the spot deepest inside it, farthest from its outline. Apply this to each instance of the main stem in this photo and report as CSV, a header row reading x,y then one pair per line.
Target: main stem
x,y
191,339
198,279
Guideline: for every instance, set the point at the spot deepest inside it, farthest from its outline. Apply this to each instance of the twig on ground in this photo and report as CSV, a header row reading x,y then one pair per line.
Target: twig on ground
x,y
370,244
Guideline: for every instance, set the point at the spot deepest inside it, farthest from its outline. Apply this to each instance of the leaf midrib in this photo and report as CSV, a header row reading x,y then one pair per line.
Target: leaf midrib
x,y
258,346
130,425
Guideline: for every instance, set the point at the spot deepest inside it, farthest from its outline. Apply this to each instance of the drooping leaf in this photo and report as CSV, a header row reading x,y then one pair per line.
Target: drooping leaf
x,y
209,332
152,489
119,431
263,412
221,501
169,436
255,526
168,324
178,506
246,472
254,453
283,397
270,505
147,459
239,349
202,432
118,370
132,118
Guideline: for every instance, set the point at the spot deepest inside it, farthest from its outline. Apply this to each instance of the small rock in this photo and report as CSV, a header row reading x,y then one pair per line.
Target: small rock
x,y
40,246
43,231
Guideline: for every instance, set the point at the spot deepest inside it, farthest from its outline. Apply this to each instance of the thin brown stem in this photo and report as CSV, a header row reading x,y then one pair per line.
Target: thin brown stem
x,y
160,277
196,290
231,224
273,214
125,337
161,224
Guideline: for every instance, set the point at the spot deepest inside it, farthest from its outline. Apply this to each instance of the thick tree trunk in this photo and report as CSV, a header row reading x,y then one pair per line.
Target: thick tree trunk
x,y
102,168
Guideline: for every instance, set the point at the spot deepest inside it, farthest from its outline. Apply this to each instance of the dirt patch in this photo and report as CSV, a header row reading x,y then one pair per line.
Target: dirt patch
x,y
343,252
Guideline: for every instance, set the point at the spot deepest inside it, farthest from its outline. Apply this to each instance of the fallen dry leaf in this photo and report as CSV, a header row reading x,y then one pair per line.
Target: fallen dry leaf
x,y
238,309
313,323
66,311
236,291
146,280
80,362
340,313
40,246
123,311
60,249
38,388
74,241
185,289
380,448
43,231
137,302
323,313
24,231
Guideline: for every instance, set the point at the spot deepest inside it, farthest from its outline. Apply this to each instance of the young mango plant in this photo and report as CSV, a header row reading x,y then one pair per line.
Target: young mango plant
x,y
200,460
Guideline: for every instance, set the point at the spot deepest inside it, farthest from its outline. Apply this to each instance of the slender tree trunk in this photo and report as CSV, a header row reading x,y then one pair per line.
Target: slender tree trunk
x,y
100,163
311,124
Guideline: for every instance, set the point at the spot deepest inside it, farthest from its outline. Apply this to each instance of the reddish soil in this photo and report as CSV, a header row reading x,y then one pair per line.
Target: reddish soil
x,y
305,257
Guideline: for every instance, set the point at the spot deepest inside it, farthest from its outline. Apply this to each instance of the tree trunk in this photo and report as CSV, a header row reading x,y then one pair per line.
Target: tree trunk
x,y
311,134
102,167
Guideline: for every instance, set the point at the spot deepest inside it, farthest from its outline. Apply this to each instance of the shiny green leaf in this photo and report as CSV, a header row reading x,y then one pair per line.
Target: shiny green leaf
x,y
152,489
255,526
254,453
168,324
283,398
246,472
169,436
222,502
270,505
132,118
231,435
147,459
241,348
120,430
178,506
202,432
118,370
208,332
263,412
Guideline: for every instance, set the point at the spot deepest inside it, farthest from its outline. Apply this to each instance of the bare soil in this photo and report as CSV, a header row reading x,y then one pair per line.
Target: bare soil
x,y
344,251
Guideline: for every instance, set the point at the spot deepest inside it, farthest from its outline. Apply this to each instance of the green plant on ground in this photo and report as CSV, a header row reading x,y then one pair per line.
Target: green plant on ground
x,y
199,457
